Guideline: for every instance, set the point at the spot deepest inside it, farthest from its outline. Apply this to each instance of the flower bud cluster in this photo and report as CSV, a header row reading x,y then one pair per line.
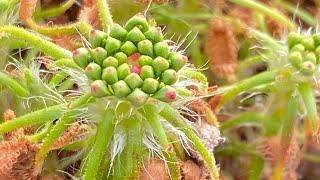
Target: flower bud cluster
x,y
132,62
304,52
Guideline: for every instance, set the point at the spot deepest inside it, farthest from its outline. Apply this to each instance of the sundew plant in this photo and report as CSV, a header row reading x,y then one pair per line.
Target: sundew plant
x,y
131,84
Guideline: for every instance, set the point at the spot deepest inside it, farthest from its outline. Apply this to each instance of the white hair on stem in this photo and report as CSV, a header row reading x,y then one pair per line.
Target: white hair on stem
x,y
117,145
185,141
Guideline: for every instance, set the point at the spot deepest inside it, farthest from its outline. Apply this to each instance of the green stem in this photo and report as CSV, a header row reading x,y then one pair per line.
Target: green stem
x,y
151,114
128,162
33,118
13,85
173,117
268,11
307,95
37,137
54,30
234,90
246,117
287,129
266,39
302,14
288,121
260,18
47,47
104,15
67,84
67,63
104,134
68,117
54,11
58,78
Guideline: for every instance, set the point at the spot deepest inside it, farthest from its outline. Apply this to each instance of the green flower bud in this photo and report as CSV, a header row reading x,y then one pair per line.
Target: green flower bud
x,y
293,39
133,80
110,61
110,75
307,68
121,89
112,45
137,21
123,71
308,43
138,97
298,47
178,61
135,35
295,58
166,94
81,57
154,34
310,56
96,38
145,60
161,49
145,47
146,72
316,38
121,57
118,32
99,54
99,89
93,71
159,65
184,92
150,85
169,76
128,48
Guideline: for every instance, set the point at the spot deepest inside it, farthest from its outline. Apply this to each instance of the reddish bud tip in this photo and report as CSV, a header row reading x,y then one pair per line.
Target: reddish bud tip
x,y
94,88
171,95
136,69
134,57
75,52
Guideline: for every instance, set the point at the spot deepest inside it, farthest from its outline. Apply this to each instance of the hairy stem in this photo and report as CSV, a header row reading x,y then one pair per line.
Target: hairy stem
x,y
310,104
54,11
247,117
173,117
37,137
234,90
58,78
53,30
13,85
128,163
273,13
67,84
47,47
33,118
104,15
103,136
151,114
299,12
68,117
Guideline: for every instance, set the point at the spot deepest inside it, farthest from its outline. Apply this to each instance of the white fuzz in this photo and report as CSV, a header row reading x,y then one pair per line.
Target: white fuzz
x,y
117,145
